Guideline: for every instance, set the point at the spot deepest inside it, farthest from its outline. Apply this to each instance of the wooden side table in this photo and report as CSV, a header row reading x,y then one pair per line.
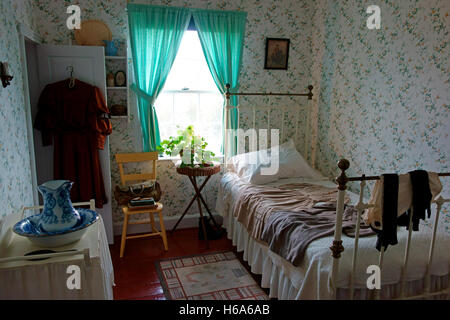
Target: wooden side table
x,y
192,174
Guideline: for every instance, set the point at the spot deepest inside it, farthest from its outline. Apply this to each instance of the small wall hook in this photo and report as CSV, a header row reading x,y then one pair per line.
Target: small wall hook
x,y
5,76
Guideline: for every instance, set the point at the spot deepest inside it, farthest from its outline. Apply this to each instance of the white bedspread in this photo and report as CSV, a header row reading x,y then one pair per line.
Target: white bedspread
x,y
312,277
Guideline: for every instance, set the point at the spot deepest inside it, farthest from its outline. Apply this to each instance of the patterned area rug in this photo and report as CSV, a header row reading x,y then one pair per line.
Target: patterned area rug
x,y
212,276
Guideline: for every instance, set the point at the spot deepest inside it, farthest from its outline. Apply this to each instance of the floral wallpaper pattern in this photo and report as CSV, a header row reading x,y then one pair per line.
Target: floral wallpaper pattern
x,y
381,96
15,173
286,19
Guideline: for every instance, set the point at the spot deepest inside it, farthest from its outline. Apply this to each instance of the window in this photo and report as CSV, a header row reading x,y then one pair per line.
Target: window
x,y
190,96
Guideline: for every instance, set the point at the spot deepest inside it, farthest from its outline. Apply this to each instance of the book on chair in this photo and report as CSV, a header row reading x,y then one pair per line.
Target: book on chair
x,y
142,203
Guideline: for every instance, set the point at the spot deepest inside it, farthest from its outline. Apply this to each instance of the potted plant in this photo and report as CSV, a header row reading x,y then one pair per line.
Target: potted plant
x,y
190,147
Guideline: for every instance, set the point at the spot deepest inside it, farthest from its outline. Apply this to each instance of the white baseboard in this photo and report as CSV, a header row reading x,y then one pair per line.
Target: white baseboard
x,y
189,221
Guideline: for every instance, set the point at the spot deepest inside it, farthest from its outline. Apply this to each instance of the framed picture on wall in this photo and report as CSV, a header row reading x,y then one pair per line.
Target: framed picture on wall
x,y
277,53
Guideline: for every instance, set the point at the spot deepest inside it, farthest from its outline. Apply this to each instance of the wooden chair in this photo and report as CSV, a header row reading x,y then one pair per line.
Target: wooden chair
x,y
121,159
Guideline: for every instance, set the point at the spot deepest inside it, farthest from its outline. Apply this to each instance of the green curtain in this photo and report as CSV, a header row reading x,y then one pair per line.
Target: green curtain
x,y
155,36
222,34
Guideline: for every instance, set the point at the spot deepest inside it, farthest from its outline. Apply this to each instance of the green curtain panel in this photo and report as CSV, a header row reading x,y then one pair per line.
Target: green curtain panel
x,y
155,36
222,35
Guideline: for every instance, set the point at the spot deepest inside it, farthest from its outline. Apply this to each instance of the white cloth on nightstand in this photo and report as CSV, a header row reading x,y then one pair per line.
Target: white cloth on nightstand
x,y
47,279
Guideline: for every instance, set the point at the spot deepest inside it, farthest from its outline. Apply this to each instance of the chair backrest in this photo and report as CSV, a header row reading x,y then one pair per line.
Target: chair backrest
x,y
122,158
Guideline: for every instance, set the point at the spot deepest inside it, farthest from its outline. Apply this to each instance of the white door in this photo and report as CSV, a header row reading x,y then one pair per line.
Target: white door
x,y
88,66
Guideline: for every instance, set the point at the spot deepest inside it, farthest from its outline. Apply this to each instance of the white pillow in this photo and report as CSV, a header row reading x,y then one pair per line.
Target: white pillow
x,y
256,167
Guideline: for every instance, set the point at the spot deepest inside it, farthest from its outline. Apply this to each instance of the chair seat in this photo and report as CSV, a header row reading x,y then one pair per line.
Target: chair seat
x,y
127,213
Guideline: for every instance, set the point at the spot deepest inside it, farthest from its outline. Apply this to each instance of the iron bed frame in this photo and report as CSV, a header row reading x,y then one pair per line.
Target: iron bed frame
x,y
342,180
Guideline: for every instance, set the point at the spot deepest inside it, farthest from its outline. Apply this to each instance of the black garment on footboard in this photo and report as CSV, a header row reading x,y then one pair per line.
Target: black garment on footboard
x,y
289,233
388,235
421,195
421,202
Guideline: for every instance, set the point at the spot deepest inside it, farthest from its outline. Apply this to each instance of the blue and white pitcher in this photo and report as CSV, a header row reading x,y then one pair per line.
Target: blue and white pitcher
x,y
59,213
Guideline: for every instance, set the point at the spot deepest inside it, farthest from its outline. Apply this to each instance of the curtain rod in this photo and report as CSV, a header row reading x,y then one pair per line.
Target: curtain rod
x,y
192,9
228,93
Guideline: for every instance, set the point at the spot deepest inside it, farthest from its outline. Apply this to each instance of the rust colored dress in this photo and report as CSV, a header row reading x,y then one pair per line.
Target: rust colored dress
x,y
73,119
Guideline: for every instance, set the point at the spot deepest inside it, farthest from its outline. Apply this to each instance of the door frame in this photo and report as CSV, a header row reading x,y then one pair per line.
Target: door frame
x,y
26,34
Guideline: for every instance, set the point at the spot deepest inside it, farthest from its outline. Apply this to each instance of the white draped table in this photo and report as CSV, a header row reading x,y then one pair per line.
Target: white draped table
x,y
48,278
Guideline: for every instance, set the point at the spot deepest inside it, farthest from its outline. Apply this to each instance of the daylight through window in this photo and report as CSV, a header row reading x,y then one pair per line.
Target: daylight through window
x,y
190,96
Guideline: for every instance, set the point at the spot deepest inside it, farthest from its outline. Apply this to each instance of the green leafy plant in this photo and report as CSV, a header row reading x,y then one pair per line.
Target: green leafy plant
x,y
190,147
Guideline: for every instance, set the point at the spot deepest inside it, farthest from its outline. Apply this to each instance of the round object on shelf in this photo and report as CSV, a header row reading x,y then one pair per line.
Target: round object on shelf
x,y
110,80
120,79
92,33
118,110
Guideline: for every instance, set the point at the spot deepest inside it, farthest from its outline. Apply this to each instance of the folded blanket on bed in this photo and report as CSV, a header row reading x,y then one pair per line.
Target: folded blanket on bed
x,y
289,233
256,203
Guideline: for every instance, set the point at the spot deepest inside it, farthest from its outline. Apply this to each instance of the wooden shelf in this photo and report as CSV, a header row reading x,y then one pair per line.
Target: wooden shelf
x,y
117,88
115,57
115,63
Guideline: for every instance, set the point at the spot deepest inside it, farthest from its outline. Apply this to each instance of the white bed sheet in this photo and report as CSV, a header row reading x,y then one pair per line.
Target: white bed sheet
x,y
312,277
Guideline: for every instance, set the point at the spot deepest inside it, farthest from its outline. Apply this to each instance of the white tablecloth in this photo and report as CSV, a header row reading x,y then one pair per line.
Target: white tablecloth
x,y
47,279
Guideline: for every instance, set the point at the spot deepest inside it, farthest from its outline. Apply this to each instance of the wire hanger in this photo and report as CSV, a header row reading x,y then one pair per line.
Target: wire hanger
x,y
72,79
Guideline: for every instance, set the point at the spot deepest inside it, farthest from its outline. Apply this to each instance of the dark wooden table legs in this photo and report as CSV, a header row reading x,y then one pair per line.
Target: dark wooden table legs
x,y
198,196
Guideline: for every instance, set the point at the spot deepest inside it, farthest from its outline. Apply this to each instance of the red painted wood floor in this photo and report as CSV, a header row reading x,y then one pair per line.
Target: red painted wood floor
x,y
135,274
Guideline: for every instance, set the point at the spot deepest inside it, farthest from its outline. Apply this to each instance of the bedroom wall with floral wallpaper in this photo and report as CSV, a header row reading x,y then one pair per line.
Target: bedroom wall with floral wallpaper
x,y
15,173
280,19
381,96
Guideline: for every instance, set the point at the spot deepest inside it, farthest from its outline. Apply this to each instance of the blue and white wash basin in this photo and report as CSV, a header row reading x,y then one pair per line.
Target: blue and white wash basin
x,y
31,228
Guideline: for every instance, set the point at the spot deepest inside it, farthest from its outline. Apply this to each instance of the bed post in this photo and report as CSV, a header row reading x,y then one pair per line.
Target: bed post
x,y
310,94
337,247
227,110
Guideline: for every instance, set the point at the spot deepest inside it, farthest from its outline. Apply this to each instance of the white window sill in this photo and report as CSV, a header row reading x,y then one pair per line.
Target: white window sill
x,y
168,158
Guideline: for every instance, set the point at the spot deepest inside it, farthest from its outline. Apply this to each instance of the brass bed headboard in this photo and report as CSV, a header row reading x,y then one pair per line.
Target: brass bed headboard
x,y
228,107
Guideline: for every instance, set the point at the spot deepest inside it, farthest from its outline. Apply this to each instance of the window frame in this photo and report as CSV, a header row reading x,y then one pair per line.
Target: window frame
x,y
174,92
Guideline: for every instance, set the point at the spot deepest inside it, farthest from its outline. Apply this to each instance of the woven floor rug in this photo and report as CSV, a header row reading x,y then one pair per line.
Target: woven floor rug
x,y
212,276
